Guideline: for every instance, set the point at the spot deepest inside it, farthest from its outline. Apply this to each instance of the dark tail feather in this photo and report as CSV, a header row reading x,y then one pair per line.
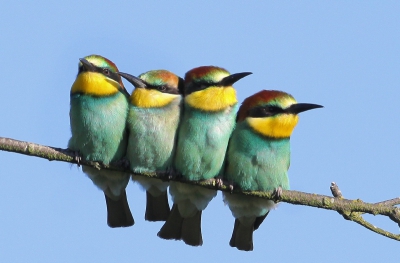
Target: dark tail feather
x,y
118,212
191,230
157,208
242,236
172,228
259,220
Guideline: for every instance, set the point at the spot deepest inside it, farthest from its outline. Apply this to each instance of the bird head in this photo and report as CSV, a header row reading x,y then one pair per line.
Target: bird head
x,y
155,88
97,76
209,88
272,113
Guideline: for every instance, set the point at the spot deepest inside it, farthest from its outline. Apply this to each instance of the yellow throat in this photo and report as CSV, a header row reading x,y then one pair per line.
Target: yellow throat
x,y
151,98
96,84
280,126
212,98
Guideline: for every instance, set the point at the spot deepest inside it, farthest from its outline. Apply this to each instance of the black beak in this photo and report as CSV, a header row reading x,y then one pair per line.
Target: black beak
x,y
228,81
300,107
181,86
138,83
87,65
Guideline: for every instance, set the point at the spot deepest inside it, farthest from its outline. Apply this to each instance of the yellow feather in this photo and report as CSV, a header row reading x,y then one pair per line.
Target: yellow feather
x,y
212,98
280,126
151,98
92,83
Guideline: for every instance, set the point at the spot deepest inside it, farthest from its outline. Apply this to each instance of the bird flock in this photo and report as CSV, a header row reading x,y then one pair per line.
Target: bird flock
x,y
191,128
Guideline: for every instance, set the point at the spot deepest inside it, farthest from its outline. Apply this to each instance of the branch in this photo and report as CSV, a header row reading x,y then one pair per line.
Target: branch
x,y
349,209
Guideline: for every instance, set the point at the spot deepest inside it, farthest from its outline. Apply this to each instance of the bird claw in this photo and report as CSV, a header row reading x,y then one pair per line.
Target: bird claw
x,y
77,157
277,193
230,186
96,165
219,182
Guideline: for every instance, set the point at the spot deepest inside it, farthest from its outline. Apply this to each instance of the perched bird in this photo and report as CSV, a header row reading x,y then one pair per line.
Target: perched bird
x,y
99,107
208,119
153,119
258,158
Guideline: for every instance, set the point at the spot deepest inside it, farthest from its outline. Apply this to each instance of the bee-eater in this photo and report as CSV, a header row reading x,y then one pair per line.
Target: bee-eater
x,y
99,108
258,158
153,119
208,119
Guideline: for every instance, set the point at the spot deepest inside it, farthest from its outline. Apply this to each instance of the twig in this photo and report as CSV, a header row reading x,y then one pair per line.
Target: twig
x,y
357,216
349,209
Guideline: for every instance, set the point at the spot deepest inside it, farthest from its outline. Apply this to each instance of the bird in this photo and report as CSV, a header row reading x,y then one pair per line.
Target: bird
x,y
258,158
98,112
208,118
153,119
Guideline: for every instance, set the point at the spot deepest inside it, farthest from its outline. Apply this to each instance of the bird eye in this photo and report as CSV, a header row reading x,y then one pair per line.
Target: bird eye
x,y
106,71
162,88
272,109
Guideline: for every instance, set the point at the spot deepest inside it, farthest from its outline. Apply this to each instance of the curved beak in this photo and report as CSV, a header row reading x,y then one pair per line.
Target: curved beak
x,y
229,80
300,107
135,81
87,65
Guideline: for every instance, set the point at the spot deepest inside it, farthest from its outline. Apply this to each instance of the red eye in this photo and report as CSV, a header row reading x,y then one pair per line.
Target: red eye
x,y
106,71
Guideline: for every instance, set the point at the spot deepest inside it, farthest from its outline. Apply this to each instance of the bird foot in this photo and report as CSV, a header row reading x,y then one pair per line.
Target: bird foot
x,y
77,157
219,182
124,163
230,186
277,193
163,175
171,174
97,165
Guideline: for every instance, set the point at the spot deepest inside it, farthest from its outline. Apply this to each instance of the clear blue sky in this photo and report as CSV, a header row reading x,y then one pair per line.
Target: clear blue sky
x,y
344,55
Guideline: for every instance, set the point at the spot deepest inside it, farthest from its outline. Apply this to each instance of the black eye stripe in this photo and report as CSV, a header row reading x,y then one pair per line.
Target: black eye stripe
x,y
108,73
163,88
196,86
265,111
104,71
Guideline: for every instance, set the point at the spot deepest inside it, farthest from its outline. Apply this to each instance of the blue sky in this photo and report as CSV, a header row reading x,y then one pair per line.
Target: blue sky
x,y
340,54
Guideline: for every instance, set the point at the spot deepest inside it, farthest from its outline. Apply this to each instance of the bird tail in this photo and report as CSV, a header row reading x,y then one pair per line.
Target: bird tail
x,y
172,228
242,236
191,230
157,207
118,212
179,228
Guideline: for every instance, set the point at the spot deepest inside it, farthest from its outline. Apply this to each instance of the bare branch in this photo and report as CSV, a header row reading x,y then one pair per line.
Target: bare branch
x,y
357,216
349,209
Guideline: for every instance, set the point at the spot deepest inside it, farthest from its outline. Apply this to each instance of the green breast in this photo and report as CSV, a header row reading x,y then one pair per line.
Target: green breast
x,y
255,162
152,137
98,126
202,142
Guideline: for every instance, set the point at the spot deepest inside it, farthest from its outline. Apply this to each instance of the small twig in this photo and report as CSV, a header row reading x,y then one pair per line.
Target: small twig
x,y
357,216
335,190
391,202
